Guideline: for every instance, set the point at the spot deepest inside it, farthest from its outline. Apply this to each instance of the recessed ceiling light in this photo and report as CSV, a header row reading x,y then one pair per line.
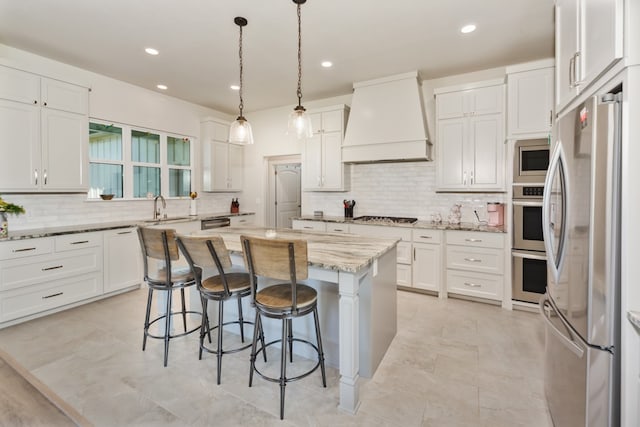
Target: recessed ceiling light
x,y
162,87
327,64
234,87
151,51
468,29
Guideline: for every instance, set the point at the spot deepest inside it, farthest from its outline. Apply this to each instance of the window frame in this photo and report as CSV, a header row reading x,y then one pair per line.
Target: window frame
x,y
128,164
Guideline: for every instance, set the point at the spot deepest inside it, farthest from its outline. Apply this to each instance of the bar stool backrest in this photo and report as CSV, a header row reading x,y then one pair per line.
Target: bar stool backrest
x,y
272,257
159,244
205,251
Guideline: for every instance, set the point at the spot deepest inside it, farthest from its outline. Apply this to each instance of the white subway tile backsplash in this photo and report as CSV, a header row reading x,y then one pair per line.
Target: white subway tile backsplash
x,y
398,189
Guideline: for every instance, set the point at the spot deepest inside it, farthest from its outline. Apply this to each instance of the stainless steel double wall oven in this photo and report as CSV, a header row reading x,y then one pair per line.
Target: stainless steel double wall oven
x,y
529,262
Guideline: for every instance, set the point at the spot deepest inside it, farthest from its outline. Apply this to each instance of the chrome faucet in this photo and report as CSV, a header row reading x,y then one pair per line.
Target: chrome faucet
x,y
156,211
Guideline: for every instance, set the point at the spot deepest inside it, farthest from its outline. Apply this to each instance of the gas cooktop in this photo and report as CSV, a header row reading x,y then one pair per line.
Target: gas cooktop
x,y
369,219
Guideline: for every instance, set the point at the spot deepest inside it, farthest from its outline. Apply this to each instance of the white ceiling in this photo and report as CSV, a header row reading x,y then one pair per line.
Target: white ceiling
x,y
198,42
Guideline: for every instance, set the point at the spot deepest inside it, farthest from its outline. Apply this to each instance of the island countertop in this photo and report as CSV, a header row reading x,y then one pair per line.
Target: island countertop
x,y
332,251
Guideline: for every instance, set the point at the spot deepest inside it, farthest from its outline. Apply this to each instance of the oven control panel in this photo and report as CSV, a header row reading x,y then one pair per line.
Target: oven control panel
x,y
532,191
528,191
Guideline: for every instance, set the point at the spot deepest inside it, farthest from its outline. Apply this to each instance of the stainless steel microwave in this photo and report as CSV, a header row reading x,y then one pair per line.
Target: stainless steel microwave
x,y
530,160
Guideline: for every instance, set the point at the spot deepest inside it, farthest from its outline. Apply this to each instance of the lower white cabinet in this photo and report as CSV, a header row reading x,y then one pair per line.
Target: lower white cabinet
x,y
299,224
242,220
337,227
475,264
122,259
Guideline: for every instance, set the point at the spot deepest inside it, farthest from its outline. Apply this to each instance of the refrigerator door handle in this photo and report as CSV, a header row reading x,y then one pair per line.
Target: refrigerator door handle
x,y
569,343
548,226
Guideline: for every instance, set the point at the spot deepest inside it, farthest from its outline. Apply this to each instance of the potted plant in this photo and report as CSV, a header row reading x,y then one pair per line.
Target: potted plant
x,y
7,208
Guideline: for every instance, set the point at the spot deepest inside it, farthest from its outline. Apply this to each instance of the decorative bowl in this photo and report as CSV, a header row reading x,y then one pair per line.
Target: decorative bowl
x,y
106,196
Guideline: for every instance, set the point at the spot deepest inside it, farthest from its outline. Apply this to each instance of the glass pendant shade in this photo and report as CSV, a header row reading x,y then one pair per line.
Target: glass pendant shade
x,y
240,132
300,124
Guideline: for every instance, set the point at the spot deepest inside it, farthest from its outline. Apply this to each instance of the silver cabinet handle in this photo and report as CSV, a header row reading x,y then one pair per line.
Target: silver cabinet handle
x,y
473,240
125,232
472,285
414,254
55,267
473,259
79,242
576,71
24,250
572,65
45,174
550,117
53,295
426,237
307,227
471,179
35,175
464,178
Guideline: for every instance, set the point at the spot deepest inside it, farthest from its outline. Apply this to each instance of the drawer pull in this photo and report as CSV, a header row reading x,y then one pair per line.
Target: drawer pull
x,y
472,285
52,268
338,229
124,232
53,295
426,237
473,240
307,227
24,250
80,242
473,259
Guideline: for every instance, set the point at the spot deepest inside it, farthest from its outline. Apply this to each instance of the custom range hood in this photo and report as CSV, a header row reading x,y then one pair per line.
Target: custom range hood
x,y
387,122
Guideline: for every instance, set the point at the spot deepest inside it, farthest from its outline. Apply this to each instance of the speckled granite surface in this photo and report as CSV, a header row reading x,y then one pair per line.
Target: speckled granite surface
x,y
465,226
332,251
85,228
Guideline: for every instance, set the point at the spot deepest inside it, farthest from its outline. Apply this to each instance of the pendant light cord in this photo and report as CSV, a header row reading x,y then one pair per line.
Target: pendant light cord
x,y
241,106
299,58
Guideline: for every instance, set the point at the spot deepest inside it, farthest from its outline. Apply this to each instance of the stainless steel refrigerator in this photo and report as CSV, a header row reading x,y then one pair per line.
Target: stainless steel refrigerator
x,y
581,228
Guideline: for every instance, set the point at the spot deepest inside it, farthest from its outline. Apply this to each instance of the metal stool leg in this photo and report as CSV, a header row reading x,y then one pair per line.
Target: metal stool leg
x,y
283,365
290,328
146,319
257,330
204,327
167,329
220,321
320,352
240,318
184,310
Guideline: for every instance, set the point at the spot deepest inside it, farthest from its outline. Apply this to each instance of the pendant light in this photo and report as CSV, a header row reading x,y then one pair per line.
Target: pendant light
x,y
240,130
299,120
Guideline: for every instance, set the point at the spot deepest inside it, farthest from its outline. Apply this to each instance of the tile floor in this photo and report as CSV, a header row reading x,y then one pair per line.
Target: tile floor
x,y
452,363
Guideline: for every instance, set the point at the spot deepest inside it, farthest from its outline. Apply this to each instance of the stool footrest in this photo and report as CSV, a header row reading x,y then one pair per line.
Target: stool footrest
x,y
233,350
287,379
164,316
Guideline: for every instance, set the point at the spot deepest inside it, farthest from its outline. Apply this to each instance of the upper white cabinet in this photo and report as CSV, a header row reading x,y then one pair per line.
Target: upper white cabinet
x,y
322,167
589,39
44,125
223,163
470,137
530,100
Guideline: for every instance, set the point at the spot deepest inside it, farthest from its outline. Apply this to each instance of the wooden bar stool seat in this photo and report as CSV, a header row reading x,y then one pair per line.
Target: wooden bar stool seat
x,y
160,245
204,253
281,260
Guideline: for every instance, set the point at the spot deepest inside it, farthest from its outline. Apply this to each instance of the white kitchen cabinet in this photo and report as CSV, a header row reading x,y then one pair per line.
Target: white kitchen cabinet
x,y
589,39
337,227
42,274
530,100
222,162
44,125
475,264
122,259
309,225
470,138
242,220
322,167
427,259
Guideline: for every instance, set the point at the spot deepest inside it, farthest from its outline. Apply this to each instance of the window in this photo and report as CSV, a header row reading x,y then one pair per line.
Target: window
x,y
132,163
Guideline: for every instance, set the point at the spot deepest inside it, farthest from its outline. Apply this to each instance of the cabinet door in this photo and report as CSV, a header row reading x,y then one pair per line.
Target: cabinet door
x,y
450,105
485,100
451,152
332,121
64,151
16,85
332,167
312,164
219,159
20,145
122,259
64,96
426,266
316,122
530,102
566,48
602,36
486,169
235,167
297,224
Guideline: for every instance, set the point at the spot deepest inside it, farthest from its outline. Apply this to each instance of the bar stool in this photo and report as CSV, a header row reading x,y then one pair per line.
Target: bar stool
x,y
210,252
281,260
160,245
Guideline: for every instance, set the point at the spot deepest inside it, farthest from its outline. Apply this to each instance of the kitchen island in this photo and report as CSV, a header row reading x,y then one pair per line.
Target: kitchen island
x,y
355,277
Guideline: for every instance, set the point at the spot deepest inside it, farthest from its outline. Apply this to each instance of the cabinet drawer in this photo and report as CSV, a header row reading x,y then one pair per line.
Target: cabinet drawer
x,y
33,299
475,284
475,259
71,242
25,248
337,228
476,238
28,271
309,225
382,231
426,236
236,221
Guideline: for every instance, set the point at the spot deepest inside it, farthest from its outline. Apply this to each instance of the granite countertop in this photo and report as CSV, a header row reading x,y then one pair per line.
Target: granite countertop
x,y
465,226
331,251
85,228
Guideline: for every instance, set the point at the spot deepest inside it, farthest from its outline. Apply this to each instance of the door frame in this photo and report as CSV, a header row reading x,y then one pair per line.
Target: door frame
x,y
272,162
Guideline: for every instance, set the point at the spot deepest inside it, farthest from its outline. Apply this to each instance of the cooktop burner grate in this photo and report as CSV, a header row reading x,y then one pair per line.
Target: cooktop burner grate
x,y
385,219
